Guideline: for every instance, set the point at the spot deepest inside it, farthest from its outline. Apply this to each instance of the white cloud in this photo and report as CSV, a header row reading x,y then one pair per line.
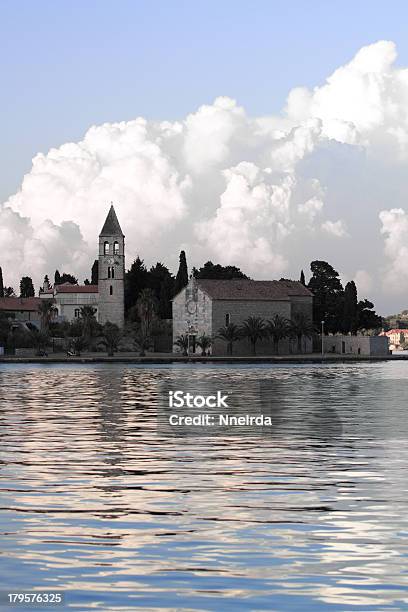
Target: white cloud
x,y
395,231
335,228
253,192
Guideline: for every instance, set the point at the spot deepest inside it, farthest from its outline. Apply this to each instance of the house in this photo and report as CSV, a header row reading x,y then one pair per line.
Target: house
x,y
204,306
21,309
397,337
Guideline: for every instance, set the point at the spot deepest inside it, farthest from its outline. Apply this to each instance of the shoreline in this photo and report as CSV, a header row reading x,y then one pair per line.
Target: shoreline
x,y
175,359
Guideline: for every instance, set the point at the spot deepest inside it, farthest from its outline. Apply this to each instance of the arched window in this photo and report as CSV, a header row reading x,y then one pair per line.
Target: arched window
x,y
106,248
116,248
109,272
227,318
111,290
113,272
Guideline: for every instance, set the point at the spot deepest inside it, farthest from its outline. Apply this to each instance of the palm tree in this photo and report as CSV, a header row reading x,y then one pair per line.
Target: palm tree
x,y
277,328
204,342
87,314
229,333
301,326
182,342
46,309
254,329
111,337
143,342
146,306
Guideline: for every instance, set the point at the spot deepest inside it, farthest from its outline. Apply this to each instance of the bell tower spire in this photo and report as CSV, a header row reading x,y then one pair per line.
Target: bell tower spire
x,y
111,271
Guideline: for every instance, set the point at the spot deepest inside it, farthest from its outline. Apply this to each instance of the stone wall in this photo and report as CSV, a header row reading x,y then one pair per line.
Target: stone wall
x,y
356,345
239,310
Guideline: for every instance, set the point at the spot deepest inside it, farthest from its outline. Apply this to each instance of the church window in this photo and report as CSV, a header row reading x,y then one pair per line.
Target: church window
x,y
106,248
116,248
227,318
111,290
77,313
109,272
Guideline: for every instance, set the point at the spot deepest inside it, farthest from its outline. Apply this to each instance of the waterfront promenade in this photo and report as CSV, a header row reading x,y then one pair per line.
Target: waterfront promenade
x,y
152,358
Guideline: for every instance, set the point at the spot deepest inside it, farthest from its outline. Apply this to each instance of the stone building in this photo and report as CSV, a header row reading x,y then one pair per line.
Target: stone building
x,y
111,283
107,298
204,306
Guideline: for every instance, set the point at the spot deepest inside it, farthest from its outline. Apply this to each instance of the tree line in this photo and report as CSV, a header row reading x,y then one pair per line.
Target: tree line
x,y
338,306
255,329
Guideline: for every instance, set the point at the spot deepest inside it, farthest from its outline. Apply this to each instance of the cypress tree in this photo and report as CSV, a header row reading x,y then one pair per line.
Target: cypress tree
x,y
57,278
182,274
350,312
302,278
95,273
26,287
1,283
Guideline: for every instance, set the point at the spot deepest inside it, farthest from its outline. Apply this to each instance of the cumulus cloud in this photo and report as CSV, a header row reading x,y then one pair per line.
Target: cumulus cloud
x,y
395,230
335,228
265,193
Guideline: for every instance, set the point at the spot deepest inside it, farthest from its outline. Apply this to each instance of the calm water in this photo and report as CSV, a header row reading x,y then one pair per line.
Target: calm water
x,y
312,516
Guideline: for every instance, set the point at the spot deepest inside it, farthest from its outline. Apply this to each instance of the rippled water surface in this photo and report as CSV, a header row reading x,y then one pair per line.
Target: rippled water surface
x,y
312,515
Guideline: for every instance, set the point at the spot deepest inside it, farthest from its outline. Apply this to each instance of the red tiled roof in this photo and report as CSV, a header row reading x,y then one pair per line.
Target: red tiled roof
x,y
395,331
237,289
69,288
16,303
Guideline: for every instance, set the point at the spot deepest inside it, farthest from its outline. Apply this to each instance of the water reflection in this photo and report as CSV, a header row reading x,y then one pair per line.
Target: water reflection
x,y
95,500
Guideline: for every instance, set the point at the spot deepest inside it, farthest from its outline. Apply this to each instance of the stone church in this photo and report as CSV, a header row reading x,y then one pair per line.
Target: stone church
x,y
107,298
204,306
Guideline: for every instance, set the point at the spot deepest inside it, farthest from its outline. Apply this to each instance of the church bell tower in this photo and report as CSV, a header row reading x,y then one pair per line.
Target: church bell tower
x,y
111,271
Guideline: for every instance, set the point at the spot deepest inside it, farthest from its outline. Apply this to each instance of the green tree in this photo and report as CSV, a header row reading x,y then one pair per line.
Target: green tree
x,y
46,310
350,310
182,342
89,323
302,278
218,272
161,281
68,278
95,272
204,342
136,279
26,287
182,274
57,278
328,296
1,283
253,328
367,317
9,292
301,326
229,333
146,308
111,337
277,328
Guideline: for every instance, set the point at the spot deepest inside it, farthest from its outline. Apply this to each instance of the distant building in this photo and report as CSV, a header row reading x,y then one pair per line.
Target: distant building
x,y
21,309
396,337
107,298
376,346
68,299
206,305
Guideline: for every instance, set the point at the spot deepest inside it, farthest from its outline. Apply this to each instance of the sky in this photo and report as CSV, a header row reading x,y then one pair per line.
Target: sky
x,y
261,134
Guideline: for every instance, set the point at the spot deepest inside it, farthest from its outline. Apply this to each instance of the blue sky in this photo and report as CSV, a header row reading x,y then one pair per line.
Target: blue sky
x,y
326,180
67,65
